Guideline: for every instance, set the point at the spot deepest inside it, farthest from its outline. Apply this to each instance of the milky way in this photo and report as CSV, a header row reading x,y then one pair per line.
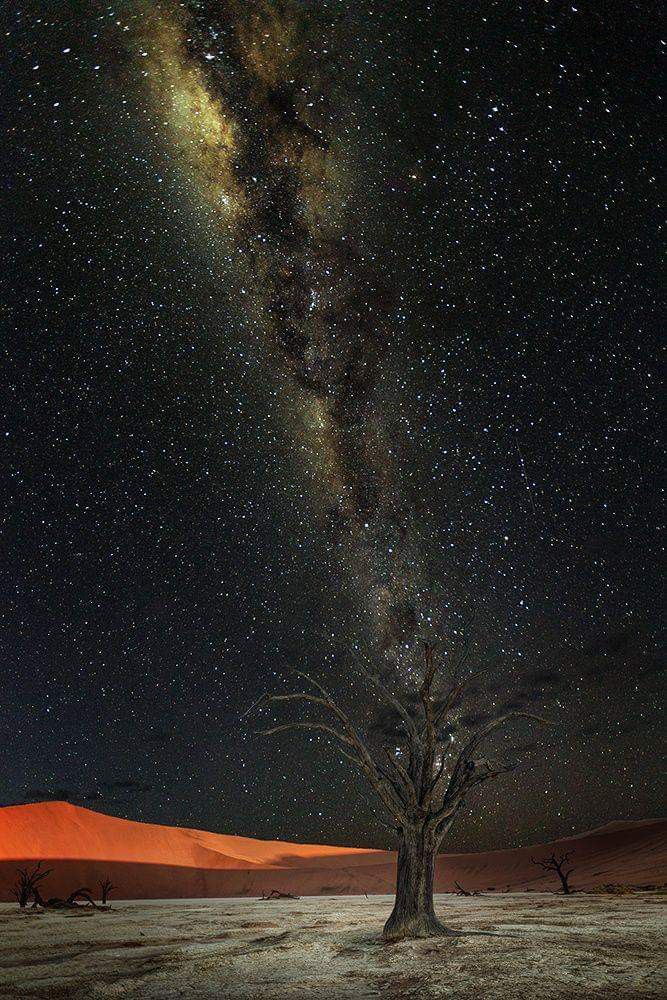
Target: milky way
x,y
248,104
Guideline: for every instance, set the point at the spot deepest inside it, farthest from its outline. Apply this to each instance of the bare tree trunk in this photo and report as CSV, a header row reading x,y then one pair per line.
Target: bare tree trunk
x,y
413,914
563,879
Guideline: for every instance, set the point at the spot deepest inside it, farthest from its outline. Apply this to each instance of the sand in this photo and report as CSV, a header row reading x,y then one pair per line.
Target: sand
x,y
147,861
514,946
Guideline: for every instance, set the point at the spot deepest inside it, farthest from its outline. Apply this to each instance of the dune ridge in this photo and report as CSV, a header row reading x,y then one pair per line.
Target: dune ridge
x,y
149,861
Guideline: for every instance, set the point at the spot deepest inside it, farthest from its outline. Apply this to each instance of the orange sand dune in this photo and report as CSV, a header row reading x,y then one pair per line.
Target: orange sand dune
x,y
146,861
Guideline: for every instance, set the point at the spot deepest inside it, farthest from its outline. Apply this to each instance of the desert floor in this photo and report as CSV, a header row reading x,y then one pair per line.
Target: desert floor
x,y
515,946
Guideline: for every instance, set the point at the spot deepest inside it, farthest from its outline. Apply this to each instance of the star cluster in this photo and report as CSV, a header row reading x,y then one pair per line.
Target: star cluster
x,y
326,326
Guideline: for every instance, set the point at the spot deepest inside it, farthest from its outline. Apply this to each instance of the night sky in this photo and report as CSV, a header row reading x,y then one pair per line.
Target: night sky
x,y
328,327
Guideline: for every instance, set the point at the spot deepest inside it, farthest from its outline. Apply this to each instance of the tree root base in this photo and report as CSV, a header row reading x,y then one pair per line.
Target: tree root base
x,y
415,928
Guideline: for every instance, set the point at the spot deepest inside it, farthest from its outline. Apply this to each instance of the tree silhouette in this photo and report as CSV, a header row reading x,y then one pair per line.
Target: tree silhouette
x,y
414,778
106,887
460,891
56,903
26,883
554,864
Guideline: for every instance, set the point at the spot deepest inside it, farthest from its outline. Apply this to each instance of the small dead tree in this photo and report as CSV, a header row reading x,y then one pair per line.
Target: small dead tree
x,y
56,903
460,891
420,786
276,894
106,886
83,893
556,864
26,881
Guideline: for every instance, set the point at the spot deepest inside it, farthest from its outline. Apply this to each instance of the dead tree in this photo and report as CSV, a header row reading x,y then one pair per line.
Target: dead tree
x,y
460,891
555,864
56,903
26,881
420,786
83,893
106,887
277,894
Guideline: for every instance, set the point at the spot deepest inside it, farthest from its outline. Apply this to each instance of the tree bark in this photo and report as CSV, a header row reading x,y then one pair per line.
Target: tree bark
x,y
413,915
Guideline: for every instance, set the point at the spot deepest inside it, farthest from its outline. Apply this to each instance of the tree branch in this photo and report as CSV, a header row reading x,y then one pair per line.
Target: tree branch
x,y
449,703
383,787
438,774
466,772
406,783
428,730
391,700
477,738
322,726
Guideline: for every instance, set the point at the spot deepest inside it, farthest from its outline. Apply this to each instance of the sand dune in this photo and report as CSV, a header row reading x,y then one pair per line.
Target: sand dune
x,y
147,861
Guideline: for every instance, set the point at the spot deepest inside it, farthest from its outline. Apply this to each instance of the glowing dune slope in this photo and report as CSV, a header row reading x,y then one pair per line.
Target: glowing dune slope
x,y
149,861
60,830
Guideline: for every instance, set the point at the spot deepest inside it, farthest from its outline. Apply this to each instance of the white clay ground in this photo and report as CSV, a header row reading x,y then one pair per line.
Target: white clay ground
x,y
534,946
